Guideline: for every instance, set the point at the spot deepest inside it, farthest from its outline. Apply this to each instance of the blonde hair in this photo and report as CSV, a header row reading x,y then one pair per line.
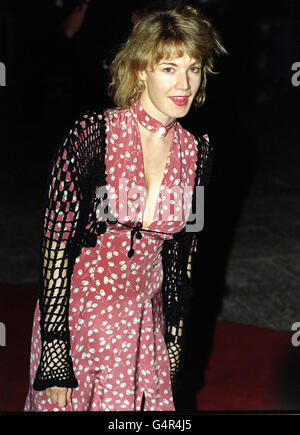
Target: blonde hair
x,y
163,34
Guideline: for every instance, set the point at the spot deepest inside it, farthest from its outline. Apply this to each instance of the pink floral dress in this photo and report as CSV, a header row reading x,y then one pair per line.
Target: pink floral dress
x,y
116,316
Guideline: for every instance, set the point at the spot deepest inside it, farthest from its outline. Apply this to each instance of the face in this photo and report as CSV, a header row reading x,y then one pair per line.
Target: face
x,y
170,88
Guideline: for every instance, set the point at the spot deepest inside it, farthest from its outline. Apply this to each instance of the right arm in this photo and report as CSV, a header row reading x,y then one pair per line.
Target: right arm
x,y
61,217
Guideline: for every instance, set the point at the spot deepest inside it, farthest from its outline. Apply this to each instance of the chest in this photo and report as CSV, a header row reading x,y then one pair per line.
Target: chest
x,y
155,161
140,175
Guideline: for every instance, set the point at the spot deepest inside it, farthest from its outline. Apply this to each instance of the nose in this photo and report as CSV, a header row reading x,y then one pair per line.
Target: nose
x,y
183,81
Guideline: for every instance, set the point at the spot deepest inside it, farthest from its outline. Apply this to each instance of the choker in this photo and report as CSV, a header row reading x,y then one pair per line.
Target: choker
x,y
150,123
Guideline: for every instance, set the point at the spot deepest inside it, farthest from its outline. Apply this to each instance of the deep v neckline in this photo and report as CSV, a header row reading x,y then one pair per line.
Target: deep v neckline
x,y
139,176
165,172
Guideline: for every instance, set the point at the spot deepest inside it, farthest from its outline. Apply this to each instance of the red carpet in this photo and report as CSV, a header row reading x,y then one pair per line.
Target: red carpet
x,y
16,312
250,368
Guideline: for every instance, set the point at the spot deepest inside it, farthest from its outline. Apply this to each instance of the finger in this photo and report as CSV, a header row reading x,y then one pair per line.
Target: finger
x,y
69,395
48,393
62,399
54,396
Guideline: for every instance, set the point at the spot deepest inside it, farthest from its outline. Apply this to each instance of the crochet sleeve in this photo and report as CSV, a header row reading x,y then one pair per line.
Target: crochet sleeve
x,y
178,255
61,217
177,291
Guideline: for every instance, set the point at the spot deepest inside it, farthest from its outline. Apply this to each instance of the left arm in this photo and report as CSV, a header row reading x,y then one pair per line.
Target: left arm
x,y
177,290
178,256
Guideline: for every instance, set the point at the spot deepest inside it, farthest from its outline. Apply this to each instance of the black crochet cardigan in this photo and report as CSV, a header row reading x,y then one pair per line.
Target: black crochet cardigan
x,y
77,170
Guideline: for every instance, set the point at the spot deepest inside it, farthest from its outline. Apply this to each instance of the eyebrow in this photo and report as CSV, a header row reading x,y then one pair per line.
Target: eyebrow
x,y
175,64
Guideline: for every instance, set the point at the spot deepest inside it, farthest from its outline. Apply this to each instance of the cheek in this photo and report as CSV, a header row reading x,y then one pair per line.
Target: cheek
x,y
157,87
196,84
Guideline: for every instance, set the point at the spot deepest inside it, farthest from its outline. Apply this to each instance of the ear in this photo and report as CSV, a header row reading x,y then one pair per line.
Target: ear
x,y
142,75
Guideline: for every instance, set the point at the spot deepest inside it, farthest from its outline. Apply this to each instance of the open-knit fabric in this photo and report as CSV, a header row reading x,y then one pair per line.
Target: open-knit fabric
x,y
71,223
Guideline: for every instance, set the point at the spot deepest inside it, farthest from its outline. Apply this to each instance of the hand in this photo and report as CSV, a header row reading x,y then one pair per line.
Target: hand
x,y
59,395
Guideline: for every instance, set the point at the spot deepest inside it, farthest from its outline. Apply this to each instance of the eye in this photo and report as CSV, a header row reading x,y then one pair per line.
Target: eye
x,y
168,69
195,69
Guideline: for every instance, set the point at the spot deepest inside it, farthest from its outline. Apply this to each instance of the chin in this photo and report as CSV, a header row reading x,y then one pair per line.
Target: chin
x,y
181,112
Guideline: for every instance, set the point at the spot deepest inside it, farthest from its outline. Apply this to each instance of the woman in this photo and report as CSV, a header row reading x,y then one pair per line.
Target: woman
x,y
116,253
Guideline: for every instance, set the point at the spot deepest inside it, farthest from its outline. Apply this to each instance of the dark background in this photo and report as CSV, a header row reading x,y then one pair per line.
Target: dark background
x,y
52,79
247,268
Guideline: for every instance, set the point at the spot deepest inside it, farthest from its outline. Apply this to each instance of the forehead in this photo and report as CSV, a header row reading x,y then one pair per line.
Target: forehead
x,y
182,61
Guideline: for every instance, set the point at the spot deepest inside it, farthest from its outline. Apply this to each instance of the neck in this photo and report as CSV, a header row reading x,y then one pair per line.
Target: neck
x,y
152,123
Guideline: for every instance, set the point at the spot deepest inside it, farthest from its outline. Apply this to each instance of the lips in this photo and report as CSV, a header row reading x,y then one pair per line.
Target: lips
x,y
180,101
